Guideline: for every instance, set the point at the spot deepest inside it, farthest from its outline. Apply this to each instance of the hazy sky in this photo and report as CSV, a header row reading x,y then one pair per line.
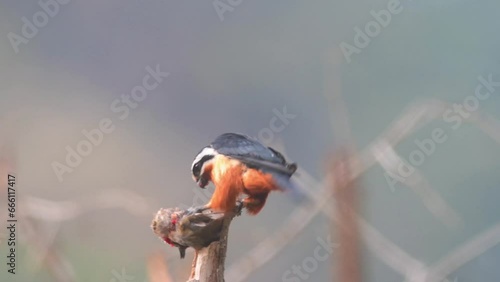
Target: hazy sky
x,y
232,72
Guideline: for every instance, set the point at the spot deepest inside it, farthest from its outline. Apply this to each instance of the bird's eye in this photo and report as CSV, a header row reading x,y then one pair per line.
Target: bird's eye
x,y
199,165
196,169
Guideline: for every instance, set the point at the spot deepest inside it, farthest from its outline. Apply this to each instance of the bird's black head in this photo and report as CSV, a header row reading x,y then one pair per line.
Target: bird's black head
x,y
199,164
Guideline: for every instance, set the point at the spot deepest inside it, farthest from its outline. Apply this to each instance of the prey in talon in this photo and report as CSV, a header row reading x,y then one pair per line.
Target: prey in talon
x,y
188,228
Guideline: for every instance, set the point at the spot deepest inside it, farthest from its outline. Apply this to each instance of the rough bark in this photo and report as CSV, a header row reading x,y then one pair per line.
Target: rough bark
x,y
208,263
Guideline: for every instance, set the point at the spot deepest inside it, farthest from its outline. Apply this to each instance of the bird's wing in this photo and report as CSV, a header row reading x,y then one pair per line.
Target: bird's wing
x,y
233,145
199,221
201,229
266,166
251,152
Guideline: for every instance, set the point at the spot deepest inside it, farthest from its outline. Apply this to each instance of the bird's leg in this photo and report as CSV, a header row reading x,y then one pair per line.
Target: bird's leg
x,y
254,203
257,187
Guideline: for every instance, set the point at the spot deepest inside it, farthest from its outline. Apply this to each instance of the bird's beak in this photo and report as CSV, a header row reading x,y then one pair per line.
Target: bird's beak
x,y
202,182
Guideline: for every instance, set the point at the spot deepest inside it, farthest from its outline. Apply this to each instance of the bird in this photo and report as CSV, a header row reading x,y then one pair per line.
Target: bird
x,y
188,228
238,164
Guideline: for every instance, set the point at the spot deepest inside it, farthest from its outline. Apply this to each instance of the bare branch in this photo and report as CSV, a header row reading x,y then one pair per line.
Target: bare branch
x,y
209,262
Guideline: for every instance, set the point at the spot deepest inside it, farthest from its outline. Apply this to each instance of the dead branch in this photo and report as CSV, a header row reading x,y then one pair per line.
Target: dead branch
x,y
208,264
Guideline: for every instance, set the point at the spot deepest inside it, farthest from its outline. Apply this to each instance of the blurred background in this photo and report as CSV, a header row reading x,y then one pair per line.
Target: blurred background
x,y
237,66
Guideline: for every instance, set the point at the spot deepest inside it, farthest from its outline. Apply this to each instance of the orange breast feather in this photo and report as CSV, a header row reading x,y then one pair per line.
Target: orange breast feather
x,y
226,175
257,182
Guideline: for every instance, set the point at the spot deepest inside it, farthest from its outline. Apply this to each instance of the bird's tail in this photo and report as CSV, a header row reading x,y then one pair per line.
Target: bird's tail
x,y
291,187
